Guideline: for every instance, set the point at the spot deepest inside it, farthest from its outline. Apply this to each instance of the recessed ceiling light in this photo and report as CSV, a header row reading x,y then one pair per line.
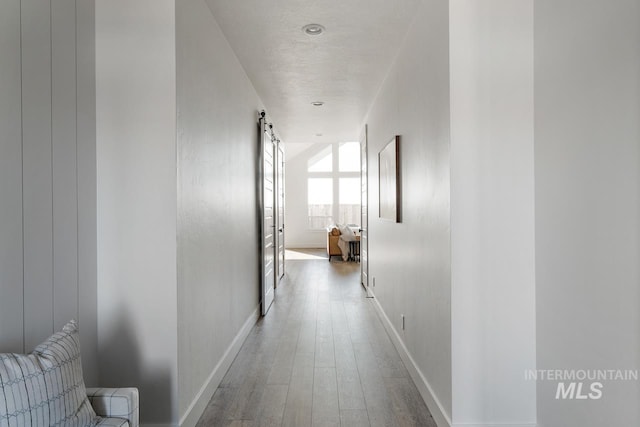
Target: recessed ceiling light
x,y
313,29
317,103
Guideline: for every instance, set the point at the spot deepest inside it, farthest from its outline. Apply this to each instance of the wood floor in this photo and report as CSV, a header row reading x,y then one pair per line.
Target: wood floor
x,y
320,357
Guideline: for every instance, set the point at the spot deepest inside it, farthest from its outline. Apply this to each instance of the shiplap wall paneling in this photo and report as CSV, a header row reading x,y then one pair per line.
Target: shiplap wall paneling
x,y
64,166
11,303
37,173
47,173
86,185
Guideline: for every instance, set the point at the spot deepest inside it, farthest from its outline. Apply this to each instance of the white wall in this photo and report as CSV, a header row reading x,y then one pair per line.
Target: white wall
x,y
410,261
136,202
47,174
492,212
587,157
218,235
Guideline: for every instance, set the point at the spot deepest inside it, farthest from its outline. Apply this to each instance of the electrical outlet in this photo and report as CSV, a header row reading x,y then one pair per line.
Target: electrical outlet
x,y
402,321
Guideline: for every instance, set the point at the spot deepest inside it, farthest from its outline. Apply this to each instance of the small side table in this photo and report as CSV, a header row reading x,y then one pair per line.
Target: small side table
x,y
354,250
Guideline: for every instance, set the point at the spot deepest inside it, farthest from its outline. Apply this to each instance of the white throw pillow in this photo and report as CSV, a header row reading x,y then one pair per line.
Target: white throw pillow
x,y
46,388
347,233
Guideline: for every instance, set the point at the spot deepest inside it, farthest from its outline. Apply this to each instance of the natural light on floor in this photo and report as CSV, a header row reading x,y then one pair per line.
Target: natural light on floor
x,y
305,254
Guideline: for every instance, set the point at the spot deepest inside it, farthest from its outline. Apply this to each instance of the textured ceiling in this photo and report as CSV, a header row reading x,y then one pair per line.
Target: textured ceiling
x,y
344,67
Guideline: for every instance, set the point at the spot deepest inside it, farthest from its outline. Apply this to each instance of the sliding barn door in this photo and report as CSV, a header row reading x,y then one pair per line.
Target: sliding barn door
x,y
280,210
267,153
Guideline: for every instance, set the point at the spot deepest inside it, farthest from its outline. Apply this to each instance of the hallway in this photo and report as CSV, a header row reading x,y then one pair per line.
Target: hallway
x,y
321,357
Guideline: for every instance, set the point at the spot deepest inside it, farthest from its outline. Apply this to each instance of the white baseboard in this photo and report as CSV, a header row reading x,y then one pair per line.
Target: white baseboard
x,y
199,403
439,414
437,411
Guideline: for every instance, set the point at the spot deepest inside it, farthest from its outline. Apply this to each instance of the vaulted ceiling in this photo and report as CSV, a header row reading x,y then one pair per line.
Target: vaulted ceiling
x,y
343,67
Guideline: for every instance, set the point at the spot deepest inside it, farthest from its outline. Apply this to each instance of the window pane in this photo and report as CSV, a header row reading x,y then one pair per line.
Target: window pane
x,y
321,162
349,157
320,202
350,191
349,208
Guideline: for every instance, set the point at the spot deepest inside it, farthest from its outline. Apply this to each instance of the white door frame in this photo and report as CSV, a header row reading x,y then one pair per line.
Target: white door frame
x,y
364,211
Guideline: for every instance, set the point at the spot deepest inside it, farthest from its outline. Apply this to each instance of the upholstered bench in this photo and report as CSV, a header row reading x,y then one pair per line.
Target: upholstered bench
x,y
115,407
333,234
46,388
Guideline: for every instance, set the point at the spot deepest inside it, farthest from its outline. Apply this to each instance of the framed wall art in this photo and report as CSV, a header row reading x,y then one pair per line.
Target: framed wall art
x,y
389,180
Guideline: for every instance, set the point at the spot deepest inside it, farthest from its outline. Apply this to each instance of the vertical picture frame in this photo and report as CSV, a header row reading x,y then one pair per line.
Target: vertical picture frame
x,y
389,181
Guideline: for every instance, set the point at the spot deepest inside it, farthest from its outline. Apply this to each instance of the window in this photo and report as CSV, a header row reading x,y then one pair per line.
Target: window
x,y
349,206
349,156
320,202
333,185
322,162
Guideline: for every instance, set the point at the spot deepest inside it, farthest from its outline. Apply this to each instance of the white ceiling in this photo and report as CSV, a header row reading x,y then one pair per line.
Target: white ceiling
x,y
344,67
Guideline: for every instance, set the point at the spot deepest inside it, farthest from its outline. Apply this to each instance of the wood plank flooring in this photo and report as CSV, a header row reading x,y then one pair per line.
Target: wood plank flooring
x,y
320,357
